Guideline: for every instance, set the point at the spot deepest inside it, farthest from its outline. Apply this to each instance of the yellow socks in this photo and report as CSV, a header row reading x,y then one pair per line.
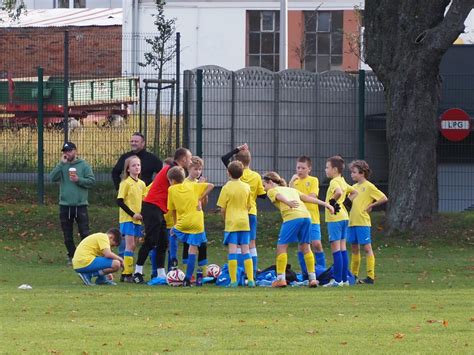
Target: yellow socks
x,y
248,265
371,266
281,261
309,261
355,264
128,265
233,268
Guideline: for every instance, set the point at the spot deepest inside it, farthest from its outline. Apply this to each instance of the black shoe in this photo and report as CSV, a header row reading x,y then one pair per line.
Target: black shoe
x,y
126,278
138,278
187,283
367,281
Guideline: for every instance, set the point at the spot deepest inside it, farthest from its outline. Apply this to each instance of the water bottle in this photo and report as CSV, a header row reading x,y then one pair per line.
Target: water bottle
x,y
199,277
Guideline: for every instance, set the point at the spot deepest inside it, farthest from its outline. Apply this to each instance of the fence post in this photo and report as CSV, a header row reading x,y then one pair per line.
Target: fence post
x,y
178,83
186,87
40,124
232,117
199,113
140,113
276,121
361,114
66,86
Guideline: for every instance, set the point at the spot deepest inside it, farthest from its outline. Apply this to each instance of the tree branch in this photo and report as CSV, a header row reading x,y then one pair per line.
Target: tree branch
x,y
442,36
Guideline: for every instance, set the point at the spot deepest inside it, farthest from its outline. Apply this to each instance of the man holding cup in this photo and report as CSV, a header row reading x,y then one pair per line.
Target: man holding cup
x,y
75,178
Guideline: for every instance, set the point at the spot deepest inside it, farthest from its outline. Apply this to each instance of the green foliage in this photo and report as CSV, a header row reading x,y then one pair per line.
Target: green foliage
x,y
14,8
163,48
421,301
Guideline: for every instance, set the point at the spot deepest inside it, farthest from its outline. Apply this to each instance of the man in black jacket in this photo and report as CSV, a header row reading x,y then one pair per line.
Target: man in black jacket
x,y
150,163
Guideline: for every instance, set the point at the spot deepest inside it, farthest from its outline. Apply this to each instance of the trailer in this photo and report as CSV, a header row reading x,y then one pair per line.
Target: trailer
x,y
103,96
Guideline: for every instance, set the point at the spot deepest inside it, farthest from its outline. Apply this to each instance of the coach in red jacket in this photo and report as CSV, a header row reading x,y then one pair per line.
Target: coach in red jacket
x,y
153,209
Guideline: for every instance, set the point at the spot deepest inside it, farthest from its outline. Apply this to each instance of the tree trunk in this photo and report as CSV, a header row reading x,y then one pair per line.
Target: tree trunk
x,y
404,42
412,103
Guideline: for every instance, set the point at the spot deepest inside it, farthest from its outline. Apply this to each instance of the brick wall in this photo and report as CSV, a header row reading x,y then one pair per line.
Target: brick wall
x,y
93,51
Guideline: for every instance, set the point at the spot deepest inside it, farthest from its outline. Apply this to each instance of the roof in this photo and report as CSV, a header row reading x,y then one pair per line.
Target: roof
x,y
65,17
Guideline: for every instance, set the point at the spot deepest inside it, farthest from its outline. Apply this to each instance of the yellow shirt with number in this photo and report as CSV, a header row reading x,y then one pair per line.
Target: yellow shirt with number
x,y
288,213
89,248
254,180
236,198
367,194
310,185
132,191
184,199
338,182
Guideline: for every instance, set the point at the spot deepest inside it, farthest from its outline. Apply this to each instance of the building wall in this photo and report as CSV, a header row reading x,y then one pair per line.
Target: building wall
x,y
91,4
94,51
214,33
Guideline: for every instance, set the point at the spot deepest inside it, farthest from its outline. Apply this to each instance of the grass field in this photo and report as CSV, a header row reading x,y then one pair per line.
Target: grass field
x,y
100,146
423,300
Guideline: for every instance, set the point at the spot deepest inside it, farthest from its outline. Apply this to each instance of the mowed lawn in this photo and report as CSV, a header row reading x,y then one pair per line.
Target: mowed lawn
x,y
423,299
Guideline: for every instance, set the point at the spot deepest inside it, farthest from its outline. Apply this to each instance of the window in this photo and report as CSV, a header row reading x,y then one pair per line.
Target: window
x,y
263,39
323,40
64,4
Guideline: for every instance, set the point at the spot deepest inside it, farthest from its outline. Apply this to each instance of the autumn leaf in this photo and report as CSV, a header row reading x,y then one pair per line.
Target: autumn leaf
x,y
445,323
431,321
413,306
399,336
344,343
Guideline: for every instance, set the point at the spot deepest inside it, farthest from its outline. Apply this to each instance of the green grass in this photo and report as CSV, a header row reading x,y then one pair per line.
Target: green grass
x,y
423,300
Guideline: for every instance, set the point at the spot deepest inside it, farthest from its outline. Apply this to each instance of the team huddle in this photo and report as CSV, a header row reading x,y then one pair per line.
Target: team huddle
x,y
169,211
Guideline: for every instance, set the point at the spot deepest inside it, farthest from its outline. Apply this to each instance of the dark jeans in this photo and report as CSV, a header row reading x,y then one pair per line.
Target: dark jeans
x,y
67,215
155,235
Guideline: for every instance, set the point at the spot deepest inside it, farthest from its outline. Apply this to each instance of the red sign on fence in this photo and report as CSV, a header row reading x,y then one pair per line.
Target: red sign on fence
x,y
455,124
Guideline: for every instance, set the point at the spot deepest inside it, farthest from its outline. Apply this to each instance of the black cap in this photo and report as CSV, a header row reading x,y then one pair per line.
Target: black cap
x,y
68,146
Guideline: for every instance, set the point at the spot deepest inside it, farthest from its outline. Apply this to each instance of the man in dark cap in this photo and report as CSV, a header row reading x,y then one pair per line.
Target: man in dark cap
x,y
75,178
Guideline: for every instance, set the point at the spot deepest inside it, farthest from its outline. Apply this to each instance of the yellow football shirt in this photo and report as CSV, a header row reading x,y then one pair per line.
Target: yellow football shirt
x,y
184,199
236,198
89,248
290,194
310,185
367,194
132,191
338,182
254,180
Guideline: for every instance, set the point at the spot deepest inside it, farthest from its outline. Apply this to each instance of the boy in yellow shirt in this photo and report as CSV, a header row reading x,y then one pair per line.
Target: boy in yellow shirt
x,y
185,202
235,203
368,197
254,180
93,257
337,224
309,185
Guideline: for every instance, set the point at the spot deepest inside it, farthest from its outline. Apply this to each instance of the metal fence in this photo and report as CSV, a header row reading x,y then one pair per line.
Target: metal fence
x,y
96,94
291,113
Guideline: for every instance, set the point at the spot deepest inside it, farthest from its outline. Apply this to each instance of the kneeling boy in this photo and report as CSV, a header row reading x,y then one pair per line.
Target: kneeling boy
x,y
93,257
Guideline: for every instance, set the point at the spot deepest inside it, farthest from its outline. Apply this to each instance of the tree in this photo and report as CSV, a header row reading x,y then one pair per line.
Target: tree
x,y
13,8
404,42
163,50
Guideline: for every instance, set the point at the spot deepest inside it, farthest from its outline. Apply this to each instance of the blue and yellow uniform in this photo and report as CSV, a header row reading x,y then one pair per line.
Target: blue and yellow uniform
x,y
236,199
132,192
337,223
295,228
89,255
360,224
254,180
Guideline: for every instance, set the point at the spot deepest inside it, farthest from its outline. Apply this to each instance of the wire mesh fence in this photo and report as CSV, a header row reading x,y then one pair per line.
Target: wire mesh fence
x,y
94,95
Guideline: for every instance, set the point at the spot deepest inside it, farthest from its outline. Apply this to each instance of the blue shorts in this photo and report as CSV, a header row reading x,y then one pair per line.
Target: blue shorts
x,y
359,235
241,237
99,263
253,226
315,233
192,239
130,228
296,230
337,230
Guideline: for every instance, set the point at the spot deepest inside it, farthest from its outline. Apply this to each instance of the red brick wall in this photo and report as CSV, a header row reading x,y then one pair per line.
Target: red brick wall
x,y
93,51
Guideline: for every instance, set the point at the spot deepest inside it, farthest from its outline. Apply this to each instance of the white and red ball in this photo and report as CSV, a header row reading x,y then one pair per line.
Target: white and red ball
x,y
175,277
213,270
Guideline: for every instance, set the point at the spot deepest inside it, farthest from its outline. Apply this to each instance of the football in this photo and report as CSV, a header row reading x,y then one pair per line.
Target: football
x,y
175,277
213,270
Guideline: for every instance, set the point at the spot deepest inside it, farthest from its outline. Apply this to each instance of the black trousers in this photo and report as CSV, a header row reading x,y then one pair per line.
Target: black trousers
x,y
202,251
155,234
67,216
